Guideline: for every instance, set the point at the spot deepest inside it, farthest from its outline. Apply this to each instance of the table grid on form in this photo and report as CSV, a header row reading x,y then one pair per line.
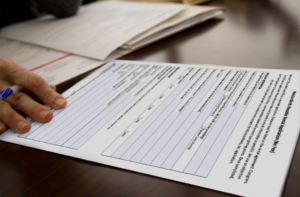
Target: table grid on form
x,y
184,129
189,140
94,106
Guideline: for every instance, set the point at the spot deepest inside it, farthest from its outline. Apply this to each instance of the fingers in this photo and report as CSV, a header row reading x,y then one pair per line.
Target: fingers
x,y
15,74
53,87
12,119
10,73
3,127
23,103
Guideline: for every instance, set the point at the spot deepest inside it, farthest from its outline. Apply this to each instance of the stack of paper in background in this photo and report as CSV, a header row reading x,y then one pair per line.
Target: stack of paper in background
x,y
102,31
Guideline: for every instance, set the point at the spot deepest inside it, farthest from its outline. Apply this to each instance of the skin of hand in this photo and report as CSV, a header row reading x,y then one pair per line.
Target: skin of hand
x,y
12,74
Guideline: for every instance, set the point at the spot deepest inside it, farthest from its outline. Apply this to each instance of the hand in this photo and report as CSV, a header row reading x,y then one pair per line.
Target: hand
x,y
12,74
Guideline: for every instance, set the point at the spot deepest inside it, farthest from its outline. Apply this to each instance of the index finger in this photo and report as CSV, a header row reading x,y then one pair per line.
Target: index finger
x,y
32,82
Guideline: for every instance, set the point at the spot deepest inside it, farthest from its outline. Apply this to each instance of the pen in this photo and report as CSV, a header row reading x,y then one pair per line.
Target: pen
x,y
9,91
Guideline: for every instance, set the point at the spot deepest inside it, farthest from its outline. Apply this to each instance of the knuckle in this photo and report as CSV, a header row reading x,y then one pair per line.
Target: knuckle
x,y
35,81
3,105
17,100
47,96
6,113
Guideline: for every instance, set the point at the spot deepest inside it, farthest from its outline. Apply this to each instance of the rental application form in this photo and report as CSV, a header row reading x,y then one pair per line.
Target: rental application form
x,y
224,128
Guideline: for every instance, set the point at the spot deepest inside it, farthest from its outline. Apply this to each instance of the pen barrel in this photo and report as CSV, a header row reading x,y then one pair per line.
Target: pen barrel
x,y
9,91
16,88
4,94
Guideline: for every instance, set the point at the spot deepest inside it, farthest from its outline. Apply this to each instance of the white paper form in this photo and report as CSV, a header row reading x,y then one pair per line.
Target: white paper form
x,y
188,13
54,66
224,128
97,29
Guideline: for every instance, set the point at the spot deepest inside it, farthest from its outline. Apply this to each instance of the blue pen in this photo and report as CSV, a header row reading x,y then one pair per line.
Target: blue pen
x,y
9,91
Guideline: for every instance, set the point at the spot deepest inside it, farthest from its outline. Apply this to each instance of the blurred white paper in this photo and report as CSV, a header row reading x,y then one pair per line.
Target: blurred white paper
x,y
97,29
54,66
185,16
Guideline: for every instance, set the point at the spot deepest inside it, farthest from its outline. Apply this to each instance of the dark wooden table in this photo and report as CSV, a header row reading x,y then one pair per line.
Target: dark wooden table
x,y
253,33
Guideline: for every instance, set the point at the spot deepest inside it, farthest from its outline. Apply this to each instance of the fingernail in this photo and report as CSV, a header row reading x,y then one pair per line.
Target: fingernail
x,y
43,114
59,102
21,125
1,128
